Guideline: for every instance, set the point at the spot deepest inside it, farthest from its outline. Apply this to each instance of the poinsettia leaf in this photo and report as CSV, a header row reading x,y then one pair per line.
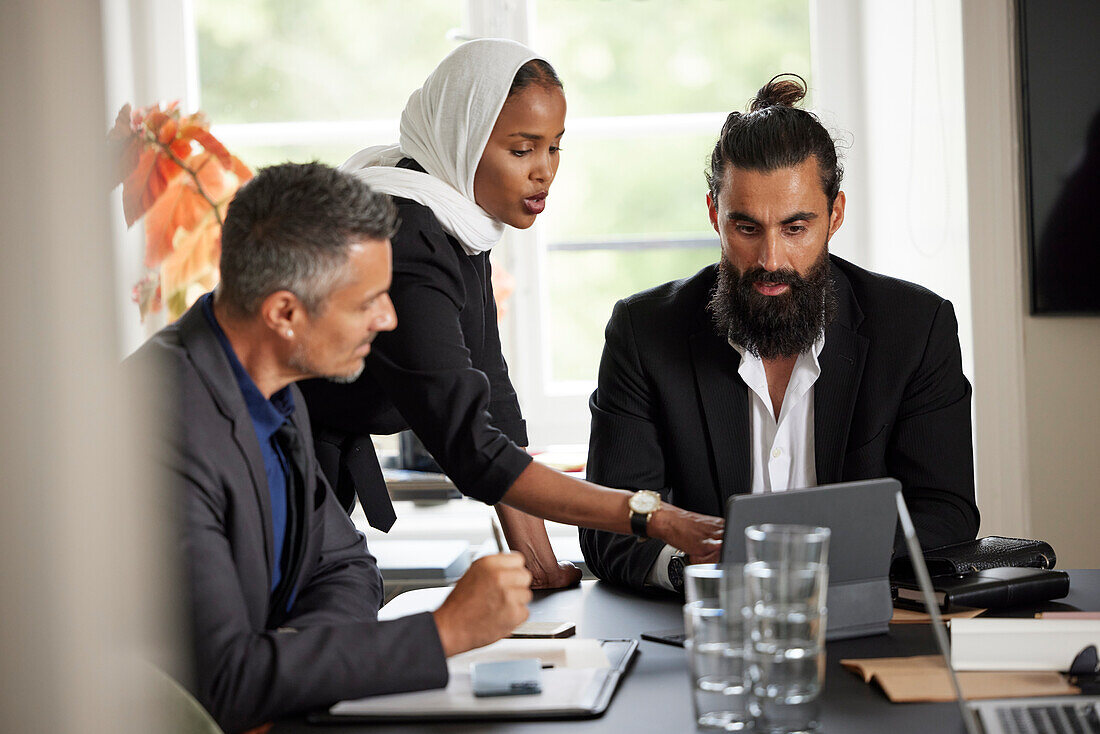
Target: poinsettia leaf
x,y
180,206
242,171
218,183
167,167
122,131
125,146
177,305
181,148
142,187
208,171
213,145
194,256
154,121
146,294
167,132
127,155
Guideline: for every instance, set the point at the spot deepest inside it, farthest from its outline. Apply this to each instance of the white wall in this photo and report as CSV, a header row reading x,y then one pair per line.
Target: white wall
x,y
81,567
926,94
889,85
147,47
1038,402
1062,362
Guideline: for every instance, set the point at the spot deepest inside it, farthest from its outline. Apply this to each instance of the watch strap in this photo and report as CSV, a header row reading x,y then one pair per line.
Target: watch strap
x,y
639,523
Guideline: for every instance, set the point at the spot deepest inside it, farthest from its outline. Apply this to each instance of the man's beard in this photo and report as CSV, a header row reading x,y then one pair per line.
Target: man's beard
x,y
348,378
773,326
302,363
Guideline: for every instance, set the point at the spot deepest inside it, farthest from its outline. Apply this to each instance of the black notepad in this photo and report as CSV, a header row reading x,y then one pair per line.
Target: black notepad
x,y
993,588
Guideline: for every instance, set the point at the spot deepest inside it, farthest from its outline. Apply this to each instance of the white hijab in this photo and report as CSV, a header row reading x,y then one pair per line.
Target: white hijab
x,y
444,127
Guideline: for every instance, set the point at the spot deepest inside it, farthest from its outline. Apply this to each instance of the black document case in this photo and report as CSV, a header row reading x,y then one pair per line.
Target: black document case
x,y
993,588
993,551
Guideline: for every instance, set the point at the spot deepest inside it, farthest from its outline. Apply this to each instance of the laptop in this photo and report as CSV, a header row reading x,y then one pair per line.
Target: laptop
x,y
863,519
1050,715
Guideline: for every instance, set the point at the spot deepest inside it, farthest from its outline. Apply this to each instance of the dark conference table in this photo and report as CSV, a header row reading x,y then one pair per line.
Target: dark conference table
x,y
655,695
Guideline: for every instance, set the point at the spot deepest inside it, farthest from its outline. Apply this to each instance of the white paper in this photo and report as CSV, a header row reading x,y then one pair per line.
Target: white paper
x,y
563,689
1020,644
571,653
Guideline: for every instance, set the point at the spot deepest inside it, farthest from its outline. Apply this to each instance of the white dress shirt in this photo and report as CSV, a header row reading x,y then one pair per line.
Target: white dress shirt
x,y
782,449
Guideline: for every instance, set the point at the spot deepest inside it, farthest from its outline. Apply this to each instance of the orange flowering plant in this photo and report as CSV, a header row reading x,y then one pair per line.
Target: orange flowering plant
x,y
181,179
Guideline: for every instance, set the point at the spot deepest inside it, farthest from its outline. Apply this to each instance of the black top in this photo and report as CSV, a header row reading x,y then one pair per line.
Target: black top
x,y
440,373
671,412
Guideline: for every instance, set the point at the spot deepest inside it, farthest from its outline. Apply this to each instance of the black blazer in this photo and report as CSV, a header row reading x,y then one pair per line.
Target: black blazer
x,y
253,662
671,413
440,372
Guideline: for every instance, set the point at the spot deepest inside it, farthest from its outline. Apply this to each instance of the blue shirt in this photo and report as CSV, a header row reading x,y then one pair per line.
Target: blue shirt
x,y
267,417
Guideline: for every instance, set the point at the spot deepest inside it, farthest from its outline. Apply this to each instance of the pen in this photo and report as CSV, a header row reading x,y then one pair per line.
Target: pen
x,y
498,534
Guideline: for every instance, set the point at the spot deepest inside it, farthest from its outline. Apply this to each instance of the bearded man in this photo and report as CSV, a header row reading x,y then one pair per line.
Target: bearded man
x,y
781,366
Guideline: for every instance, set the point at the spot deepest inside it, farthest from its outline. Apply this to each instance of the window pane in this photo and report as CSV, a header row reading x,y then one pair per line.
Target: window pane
x,y
282,60
622,58
644,57
584,286
256,157
637,187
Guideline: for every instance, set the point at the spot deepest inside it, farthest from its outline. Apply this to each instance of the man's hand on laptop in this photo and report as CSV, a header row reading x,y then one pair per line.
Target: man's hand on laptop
x,y
486,604
700,536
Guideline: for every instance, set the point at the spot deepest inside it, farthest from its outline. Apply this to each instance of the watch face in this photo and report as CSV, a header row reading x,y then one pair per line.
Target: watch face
x,y
676,572
645,502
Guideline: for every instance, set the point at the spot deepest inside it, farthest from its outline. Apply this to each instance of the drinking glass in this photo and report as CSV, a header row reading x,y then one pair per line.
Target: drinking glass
x,y
715,645
786,578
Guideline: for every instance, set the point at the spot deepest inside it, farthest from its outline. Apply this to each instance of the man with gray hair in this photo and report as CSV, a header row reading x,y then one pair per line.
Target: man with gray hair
x,y
283,594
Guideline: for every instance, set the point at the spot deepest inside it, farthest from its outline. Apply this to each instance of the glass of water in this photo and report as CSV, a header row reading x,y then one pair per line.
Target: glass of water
x,y
715,645
786,578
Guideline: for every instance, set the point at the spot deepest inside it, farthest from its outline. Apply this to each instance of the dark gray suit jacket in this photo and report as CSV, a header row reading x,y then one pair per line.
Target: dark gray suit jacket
x,y
254,663
671,412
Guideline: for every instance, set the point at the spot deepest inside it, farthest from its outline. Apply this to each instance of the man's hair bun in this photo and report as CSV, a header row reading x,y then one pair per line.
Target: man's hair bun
x,y
779,92
775,134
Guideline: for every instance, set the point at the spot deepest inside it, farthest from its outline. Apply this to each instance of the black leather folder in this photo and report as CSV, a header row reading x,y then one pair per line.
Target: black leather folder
x,y
979,555
993,588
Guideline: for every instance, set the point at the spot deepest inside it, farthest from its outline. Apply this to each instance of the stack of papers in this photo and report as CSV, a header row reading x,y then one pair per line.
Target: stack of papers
x,y
1020,644
421,560
573,653
403,484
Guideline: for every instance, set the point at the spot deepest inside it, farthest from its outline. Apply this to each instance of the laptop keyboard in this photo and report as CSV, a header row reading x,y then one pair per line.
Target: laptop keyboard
x,y
1049,719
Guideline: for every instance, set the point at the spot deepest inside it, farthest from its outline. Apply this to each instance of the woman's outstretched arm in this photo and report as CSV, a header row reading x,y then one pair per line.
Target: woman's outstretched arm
x,y
544,492
527,535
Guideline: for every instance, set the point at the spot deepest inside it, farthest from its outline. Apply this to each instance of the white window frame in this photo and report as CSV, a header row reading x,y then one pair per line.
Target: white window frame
x,y
557,411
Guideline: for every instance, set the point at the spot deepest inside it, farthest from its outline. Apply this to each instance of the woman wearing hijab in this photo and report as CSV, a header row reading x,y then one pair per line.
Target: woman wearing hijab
x,y
478,150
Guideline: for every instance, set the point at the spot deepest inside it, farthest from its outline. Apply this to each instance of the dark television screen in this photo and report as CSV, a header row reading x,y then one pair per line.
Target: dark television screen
x,y
1060,71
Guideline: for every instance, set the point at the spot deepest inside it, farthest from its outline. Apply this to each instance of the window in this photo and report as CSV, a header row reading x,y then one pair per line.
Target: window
x,y
648,84
285,80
